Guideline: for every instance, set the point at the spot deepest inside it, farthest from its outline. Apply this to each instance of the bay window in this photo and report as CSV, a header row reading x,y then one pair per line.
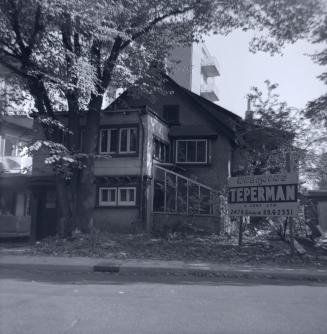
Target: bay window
x,y
118,141
108,140
192,151
127,140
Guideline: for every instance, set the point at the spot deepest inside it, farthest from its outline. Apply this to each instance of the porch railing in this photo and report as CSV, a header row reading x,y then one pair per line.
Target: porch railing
x,y
175,193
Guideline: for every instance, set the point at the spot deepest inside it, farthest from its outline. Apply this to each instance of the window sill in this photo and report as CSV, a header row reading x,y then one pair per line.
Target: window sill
x,y
193,163
116,207
119,155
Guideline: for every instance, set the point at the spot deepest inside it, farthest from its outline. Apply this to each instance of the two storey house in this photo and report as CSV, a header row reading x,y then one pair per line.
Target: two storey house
x,y
162,159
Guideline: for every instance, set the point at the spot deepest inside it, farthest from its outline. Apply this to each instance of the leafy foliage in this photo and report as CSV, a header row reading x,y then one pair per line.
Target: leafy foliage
x,y
317,109
269,133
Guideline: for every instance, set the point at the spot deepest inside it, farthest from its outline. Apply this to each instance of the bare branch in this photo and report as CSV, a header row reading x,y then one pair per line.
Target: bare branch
x,y
151,24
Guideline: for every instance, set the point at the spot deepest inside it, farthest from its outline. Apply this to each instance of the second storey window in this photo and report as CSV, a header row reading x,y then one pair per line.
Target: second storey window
x,y
192,151
127,140
160,150
108,140
170,114
118,141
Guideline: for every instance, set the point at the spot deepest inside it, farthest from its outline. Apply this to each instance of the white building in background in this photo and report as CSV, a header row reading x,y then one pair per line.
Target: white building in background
x,y
194,68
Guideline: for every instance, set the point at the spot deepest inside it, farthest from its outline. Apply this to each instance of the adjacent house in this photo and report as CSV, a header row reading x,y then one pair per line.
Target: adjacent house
x,y
162,159
15,169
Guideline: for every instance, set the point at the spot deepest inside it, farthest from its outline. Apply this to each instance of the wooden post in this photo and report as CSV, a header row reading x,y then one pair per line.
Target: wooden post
x,y
240,232
149,194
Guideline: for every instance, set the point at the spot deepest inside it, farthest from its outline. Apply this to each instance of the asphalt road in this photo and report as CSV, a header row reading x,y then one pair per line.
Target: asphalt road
x,y
48,302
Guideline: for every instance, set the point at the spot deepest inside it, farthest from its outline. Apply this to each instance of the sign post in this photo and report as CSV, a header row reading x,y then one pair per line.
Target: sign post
x,y
290,218
270,195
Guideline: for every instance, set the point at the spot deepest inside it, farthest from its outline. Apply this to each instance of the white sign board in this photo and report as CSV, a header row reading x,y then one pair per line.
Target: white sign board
x,y
263,195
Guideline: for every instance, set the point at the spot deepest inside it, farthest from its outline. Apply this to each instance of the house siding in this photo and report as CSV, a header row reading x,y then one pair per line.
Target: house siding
x,y
116,219
215,173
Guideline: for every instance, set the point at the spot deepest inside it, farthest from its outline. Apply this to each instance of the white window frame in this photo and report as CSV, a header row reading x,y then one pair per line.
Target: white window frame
x,y
196,148
128,140
108,141
107,203
128,202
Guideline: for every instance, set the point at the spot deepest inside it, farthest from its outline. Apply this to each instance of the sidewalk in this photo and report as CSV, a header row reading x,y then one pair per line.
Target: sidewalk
x,y
161,268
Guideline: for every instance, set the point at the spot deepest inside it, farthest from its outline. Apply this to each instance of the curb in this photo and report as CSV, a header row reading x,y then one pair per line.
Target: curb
x,y
126,270
47,267
186,270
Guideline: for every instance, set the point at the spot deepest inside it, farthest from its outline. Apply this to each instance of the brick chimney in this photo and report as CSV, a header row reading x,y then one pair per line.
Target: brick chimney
x,y
249,112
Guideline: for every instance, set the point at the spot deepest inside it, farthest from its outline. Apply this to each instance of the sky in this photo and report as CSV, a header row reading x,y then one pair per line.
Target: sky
x,y
295,72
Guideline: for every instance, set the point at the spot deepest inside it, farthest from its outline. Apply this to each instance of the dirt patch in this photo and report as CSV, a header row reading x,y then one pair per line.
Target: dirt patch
x,y
212,248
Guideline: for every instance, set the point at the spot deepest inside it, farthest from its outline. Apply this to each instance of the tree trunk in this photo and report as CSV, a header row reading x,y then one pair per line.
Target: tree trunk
x,y
73,144
87,190
64,227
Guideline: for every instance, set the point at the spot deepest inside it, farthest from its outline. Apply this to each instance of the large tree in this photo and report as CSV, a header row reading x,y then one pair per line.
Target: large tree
x,y
273,129
313,30
317,109
68,54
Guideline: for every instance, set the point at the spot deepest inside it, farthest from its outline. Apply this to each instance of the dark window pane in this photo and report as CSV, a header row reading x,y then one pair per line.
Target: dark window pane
x,y
181,151
181,195
201,151
131,195
123,140
123,195
163,150
113,140
112,195
104,195
205,201
156,149
191,151
104,141
171,192
171,114
132,147
159,190
193,197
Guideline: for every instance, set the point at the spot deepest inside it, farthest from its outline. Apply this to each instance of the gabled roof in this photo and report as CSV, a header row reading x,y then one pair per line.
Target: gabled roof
x,y
223,116
224,119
